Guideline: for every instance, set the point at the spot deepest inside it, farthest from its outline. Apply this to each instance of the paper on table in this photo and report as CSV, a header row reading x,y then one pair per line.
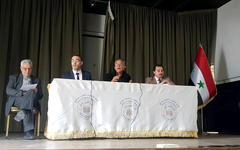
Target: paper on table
x,y
28,87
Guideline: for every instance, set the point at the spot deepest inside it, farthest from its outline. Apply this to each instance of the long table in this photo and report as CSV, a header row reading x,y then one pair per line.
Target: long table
x,y
89,109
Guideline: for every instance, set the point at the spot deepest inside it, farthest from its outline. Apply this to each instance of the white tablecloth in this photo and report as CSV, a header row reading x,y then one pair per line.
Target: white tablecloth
x,y
87,109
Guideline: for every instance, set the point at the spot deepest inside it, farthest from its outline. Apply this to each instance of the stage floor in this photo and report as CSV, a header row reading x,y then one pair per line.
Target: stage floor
x,y
15,141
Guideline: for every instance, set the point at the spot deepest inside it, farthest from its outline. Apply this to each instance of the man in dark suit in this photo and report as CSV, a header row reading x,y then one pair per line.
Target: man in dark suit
x,y
77,72
119,74
25,101
158,77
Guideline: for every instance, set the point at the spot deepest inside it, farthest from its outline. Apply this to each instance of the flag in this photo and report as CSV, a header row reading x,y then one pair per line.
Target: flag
x,y
202,78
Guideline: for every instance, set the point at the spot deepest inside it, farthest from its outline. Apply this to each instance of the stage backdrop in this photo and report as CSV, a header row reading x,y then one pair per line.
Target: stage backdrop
x,y
146,36
86,109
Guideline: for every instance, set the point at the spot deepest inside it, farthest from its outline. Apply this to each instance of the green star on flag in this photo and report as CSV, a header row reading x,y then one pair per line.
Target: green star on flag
x,y
200,84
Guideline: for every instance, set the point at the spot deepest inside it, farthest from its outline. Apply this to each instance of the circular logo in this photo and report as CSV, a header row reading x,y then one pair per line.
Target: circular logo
x,y
83,105
129,108
169,109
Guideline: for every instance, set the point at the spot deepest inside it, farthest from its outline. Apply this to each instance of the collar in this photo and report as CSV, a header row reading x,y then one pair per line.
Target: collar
x,y
157,79
79,71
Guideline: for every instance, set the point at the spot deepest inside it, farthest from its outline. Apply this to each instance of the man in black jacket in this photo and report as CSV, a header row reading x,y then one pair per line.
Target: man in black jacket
x,y
25,100
119,74
77,73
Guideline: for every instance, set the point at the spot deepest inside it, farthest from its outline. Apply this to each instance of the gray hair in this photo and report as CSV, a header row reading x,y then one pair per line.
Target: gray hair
x,y
26,61
122,60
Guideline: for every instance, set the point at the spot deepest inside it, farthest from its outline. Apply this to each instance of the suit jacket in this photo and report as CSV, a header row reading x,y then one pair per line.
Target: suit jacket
x,y
152,80
70,75
124,78
13,90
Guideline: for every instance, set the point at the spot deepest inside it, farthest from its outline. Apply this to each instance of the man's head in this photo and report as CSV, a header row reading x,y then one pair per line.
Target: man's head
x,y
119,65
76,63
158,71
26,67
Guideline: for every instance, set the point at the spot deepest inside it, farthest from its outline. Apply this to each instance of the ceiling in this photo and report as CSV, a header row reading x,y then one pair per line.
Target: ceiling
x,y
99,6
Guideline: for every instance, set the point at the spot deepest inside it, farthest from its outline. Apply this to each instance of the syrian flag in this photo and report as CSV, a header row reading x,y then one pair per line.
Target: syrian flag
x,y
202,78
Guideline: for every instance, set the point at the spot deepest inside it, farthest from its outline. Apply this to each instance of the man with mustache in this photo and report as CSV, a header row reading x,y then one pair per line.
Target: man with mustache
x,y
158,78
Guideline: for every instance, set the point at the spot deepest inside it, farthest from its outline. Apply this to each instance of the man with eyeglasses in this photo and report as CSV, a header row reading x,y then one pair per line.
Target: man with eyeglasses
x,y
119,74
77,73
26,100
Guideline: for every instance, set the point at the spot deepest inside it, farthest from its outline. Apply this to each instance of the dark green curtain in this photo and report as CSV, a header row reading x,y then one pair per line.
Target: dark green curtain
x,y
48,32
145,36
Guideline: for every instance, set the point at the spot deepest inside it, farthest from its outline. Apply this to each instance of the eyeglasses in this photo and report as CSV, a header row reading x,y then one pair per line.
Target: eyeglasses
x,y
25,69
75,61
119,65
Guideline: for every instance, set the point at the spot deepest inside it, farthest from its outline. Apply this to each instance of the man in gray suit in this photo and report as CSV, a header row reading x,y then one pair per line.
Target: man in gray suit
x,y
26,100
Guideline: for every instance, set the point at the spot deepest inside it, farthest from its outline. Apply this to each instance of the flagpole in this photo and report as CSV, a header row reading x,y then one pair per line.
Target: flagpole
x,y
207,132
202,122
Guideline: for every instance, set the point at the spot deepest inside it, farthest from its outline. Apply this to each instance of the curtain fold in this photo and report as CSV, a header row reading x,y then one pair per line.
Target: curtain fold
x,y
48,32
145,36
194,28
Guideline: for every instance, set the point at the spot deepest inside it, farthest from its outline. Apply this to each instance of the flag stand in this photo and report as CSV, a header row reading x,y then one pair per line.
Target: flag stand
x,y
202,122
202,131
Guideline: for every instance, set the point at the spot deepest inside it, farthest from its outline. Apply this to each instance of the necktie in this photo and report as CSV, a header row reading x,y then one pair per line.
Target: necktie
x,y
159,80
77,75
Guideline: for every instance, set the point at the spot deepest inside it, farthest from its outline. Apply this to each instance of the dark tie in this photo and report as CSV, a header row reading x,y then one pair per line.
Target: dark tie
x,y
77,75
159,80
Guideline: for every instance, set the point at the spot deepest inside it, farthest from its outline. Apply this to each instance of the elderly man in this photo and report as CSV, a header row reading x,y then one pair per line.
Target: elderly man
x,y
119,74
25,100
158,77
76,72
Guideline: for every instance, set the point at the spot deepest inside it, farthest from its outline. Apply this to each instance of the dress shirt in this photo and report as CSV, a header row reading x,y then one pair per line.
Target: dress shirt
x,y
75,75
157,80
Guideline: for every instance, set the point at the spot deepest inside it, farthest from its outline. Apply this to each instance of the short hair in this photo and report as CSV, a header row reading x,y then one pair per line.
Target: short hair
x,y
78,56
119,59
26,61
157,65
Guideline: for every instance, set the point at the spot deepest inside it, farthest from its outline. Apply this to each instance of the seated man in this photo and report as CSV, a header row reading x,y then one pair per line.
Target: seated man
x,y
25,101
119,74
76,72
158,77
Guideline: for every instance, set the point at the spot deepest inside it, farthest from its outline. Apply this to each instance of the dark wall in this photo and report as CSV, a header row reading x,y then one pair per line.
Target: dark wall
x,y
223,113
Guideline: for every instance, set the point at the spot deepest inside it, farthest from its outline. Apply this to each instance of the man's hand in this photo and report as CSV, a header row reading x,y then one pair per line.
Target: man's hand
x,y
115,78
35,90
167,81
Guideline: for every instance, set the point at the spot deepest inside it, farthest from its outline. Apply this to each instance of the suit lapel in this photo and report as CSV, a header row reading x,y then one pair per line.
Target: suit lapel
x,y
19,81
72,75
32,80
154,80
83,75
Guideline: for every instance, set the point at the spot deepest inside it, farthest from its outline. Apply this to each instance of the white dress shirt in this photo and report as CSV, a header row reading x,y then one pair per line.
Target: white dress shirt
x,y
80,74
157,80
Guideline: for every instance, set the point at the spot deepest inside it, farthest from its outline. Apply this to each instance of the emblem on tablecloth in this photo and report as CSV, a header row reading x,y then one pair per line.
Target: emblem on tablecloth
x,y
169,109
84,105
129,108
